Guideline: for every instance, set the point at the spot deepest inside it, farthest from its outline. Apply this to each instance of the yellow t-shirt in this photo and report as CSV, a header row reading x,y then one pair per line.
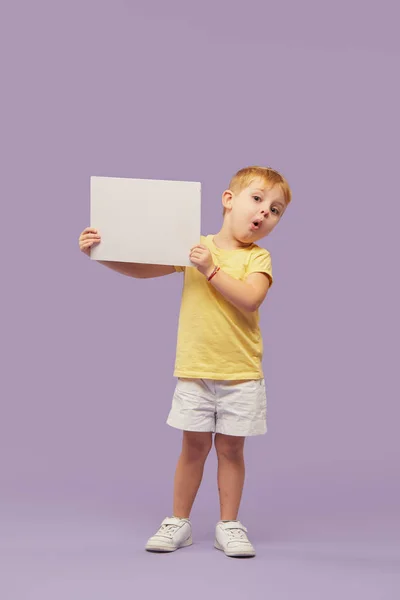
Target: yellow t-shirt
x,y
216,340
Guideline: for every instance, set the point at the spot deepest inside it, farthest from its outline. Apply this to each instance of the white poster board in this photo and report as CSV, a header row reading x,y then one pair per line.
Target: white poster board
x,y
145,220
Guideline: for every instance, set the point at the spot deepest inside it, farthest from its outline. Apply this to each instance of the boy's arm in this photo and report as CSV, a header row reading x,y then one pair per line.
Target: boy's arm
x,y
138,270
247,295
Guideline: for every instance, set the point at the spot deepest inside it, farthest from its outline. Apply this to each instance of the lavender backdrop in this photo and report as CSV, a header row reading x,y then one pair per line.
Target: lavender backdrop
x,y
194,91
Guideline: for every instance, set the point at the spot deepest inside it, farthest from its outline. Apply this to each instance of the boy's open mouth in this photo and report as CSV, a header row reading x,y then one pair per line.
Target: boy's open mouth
x,y
255,225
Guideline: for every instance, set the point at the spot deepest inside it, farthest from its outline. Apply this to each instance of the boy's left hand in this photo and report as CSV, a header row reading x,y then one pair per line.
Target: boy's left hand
x,y
201,257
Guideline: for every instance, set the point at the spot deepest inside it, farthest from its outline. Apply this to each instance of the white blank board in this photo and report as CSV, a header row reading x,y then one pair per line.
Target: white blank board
x,y
145,220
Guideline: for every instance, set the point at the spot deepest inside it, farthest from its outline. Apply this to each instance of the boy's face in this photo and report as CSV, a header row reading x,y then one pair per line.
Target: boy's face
x,y
255,211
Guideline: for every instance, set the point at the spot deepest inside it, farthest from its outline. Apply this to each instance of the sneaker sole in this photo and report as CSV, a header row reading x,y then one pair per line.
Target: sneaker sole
x,y
162,549
233,554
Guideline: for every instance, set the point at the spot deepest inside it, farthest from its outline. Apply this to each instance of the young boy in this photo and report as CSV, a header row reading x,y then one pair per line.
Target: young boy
x,y
220,387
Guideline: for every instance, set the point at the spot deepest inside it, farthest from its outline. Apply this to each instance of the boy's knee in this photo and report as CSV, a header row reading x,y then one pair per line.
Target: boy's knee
x,y
197,445
229,447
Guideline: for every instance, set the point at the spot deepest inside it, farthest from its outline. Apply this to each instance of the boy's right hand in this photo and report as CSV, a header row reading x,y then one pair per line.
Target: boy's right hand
x,y
88,237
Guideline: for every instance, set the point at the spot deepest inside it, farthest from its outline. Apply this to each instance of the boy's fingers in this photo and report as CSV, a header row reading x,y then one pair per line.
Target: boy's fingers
x,y
89,236
87,243
88,231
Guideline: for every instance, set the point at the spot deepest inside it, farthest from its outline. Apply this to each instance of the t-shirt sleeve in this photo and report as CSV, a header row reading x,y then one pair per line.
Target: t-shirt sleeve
x,y
179,269
261,262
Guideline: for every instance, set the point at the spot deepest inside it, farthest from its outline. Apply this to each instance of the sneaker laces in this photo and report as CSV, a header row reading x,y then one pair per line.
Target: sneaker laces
x,y
168,530
236,533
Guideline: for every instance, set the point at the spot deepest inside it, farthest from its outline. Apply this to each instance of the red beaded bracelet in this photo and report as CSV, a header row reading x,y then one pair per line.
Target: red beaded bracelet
x,y
214,273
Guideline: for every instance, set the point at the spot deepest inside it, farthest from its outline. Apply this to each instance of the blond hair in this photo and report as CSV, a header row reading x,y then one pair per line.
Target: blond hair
x,y
244,177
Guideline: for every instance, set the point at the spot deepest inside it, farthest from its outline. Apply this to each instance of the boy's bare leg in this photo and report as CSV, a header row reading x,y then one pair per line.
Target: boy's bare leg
x,y
231,474
189,471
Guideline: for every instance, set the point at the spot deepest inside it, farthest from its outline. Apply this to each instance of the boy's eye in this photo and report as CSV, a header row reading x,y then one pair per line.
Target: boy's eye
x,y
257,198
277,211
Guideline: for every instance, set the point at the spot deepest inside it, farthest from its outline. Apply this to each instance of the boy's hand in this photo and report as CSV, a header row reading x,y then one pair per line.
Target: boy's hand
x,y
202,259
88,237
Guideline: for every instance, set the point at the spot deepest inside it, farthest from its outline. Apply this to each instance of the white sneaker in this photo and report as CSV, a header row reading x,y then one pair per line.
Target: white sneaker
x,y
231,538
174,533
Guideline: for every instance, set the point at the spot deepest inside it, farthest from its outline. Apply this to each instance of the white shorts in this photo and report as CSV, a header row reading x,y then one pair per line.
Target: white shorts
x,y
228,407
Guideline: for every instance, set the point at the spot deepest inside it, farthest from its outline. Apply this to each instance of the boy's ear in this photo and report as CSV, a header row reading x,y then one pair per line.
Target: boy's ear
x,y
227,199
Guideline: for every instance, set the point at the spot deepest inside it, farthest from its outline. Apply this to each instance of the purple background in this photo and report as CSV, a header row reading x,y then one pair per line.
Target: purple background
x,y
195,91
